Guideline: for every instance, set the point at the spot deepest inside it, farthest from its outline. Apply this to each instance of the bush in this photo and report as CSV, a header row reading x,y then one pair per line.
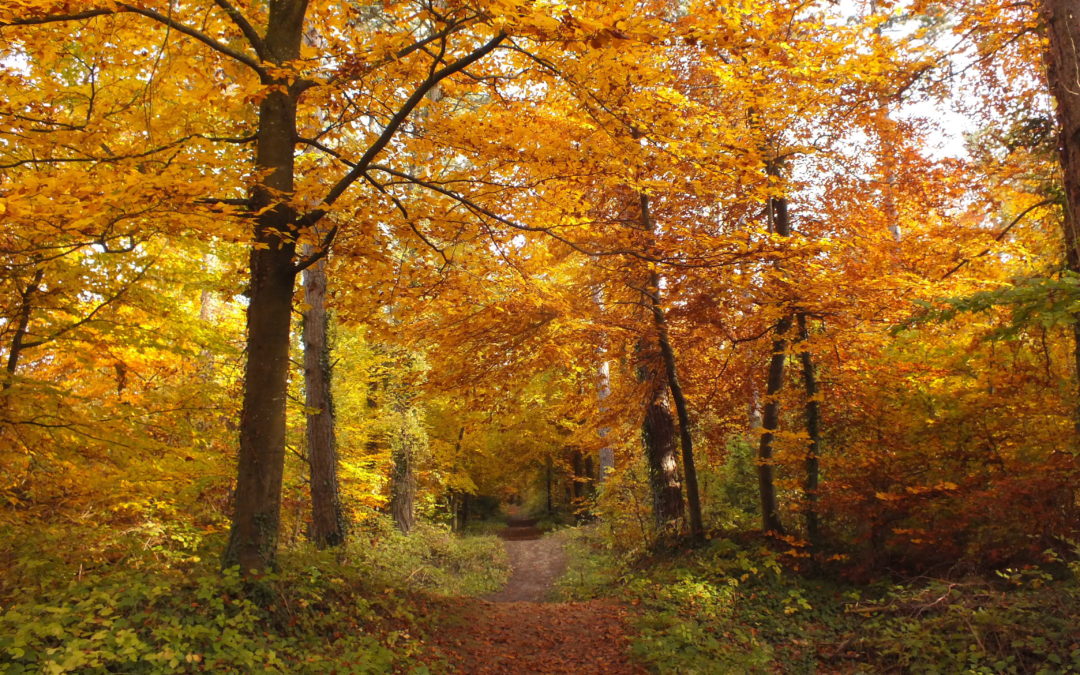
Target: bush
x,y
431,558
732,607
146,622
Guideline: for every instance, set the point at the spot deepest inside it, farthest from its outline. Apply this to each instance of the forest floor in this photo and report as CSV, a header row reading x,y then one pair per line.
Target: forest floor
x,y
518,631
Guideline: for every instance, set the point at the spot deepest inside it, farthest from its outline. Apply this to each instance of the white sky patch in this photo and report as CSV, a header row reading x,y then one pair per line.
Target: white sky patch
x,y
952,128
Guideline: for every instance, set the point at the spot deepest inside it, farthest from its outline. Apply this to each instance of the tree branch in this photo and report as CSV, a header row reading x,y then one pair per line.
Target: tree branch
x,y
999,236
394,124
246,28
123,8
90,317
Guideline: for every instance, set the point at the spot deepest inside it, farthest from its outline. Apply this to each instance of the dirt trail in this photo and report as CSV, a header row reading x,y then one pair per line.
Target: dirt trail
x,y
535,563
514,632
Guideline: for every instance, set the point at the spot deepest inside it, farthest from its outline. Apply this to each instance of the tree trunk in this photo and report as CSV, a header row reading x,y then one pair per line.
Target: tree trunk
x,y
770,418
658,434
405,440
22,325
886,127
813,431
461,511
697,528
607,453
581,484
253,539
403,486
548,481
1062,19
327,519
770,421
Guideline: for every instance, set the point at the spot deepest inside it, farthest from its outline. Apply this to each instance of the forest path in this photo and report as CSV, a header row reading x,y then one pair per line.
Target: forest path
x,y
514,632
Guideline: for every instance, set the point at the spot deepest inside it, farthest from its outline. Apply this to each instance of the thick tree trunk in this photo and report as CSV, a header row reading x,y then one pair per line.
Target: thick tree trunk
x,y
403,487
658,435
405,441
253,539
327,519
1062,19
813,432
693,499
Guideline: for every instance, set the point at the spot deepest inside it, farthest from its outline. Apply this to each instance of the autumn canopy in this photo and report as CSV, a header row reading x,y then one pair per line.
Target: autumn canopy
x,y
273,268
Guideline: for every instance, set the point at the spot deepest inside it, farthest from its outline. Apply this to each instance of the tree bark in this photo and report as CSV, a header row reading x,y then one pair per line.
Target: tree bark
x,y
658,435
770,418
813,431
327,519
253,539
581,484
22,325
770,422
885,127
549,479
1062,20
403,486
603,390
693,499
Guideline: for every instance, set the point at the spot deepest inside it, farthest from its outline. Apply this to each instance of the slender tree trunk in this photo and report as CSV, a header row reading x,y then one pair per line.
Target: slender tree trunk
x,y
463,512
581,484
813,431
658,434
770,422
457,496
327,519
886,128
693,499
770,418
548,481
253,539
607,453
22,324
1062,20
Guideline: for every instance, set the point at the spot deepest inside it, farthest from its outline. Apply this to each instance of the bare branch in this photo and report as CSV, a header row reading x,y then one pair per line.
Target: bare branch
x,y
246,28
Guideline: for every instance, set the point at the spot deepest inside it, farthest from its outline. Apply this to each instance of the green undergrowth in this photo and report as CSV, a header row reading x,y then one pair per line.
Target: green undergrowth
x,y
347,611
432,559
731,607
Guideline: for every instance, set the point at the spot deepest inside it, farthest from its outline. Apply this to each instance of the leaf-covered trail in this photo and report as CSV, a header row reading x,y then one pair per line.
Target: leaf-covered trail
x,y
516,632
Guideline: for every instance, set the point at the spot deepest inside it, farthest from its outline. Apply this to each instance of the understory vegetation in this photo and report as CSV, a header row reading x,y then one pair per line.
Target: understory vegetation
x,y
736,605
353,610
